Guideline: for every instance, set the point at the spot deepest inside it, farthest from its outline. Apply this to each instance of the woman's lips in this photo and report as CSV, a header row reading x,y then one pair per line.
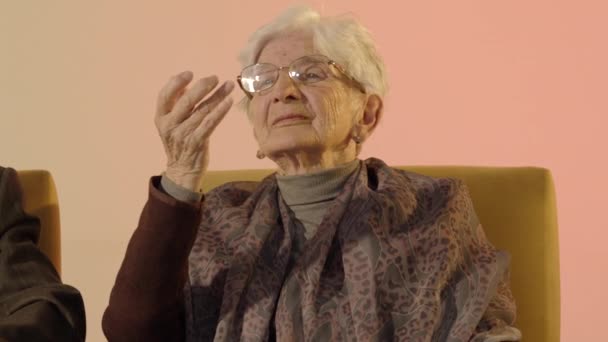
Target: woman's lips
x,y
289,118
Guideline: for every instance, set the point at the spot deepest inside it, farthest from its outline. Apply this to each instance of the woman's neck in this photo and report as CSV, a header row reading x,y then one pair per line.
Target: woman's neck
x,y
304,162
316,187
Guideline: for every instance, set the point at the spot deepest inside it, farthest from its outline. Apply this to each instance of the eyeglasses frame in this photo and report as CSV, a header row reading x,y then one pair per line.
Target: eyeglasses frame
x,y
330,62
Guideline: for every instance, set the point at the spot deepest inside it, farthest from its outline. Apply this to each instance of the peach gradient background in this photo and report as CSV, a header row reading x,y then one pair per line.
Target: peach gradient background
x,y
472,82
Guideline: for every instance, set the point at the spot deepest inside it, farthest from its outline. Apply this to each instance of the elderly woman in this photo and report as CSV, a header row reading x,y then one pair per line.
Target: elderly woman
x,y
328,248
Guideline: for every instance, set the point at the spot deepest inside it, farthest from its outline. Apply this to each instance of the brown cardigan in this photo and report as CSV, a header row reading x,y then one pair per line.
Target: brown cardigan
x,y
146,303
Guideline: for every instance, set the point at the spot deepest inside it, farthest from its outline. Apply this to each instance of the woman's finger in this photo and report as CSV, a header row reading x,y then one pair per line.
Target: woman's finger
x,y
171,92
207,106
211,120
217,97
184,105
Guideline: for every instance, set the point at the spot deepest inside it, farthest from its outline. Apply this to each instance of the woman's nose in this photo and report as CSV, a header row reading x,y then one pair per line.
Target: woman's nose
x,y
286,88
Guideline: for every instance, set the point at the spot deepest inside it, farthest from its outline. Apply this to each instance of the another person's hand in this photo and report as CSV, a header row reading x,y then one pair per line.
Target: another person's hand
x,y
185,122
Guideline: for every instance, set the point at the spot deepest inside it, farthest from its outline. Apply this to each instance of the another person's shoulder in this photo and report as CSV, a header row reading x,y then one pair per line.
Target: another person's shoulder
x,y
6,172
9,183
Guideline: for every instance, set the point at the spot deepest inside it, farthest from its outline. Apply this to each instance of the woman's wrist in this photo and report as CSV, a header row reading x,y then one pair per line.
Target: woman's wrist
x,y
187,180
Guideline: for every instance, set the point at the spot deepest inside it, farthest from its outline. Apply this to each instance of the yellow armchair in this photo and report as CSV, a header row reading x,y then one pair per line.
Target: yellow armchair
x,y
517,208
40,200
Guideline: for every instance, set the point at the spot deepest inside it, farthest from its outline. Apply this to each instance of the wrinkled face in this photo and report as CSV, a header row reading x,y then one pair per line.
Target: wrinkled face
x,y
292,117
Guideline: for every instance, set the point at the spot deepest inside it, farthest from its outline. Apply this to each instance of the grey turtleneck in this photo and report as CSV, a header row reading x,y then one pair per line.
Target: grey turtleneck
x,y
308,195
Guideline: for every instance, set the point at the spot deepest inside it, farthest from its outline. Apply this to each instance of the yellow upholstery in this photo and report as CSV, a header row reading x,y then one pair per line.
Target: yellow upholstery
x,y
517,208
40,199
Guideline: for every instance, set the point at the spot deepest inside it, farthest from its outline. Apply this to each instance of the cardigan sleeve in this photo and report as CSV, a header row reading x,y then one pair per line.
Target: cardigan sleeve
x,y
147,300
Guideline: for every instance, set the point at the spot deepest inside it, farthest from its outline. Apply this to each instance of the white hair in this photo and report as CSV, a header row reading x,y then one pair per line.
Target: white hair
x,y
341,38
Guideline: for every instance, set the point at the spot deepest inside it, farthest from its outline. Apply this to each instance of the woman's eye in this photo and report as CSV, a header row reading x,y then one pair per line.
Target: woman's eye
x,y
264,82
314,74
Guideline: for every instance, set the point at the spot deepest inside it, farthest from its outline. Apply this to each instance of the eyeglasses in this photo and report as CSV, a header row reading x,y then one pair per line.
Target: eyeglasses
x,y
308,69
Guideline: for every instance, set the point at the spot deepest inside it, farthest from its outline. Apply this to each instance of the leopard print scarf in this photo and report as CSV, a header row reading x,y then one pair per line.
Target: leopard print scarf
x,y
398,257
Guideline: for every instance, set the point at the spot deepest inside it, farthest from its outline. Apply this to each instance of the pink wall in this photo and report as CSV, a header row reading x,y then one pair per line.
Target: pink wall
x,y
472,82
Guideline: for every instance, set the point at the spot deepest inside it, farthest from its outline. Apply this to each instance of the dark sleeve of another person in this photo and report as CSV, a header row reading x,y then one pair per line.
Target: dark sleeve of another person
x,y
34,304
147,300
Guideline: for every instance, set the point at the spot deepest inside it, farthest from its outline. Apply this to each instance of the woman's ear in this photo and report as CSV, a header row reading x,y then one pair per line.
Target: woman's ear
x,y
372,113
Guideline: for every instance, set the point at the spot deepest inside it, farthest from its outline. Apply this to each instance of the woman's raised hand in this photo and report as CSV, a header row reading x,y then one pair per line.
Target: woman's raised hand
x,y
185,118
